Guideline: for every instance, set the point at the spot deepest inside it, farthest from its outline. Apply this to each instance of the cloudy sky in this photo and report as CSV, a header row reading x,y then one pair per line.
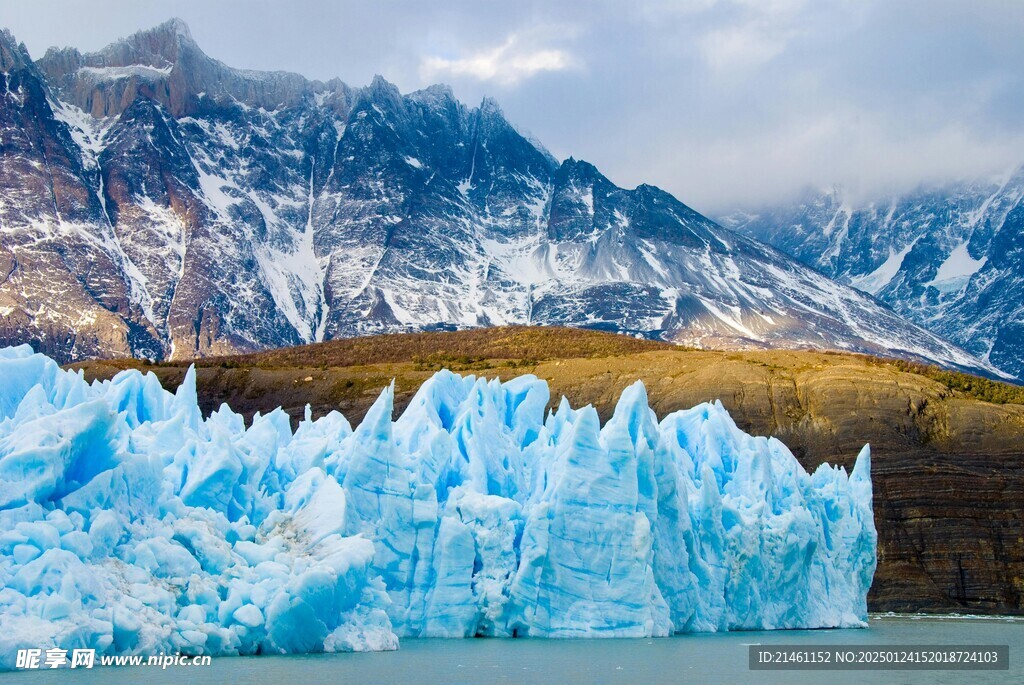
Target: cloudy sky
x,y
724,103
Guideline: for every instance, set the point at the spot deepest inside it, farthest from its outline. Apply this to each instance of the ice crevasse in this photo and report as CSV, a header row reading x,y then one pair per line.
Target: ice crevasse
x,y
129,523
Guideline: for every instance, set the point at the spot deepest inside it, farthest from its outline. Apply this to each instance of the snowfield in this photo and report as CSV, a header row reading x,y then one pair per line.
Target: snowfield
x,y
132,525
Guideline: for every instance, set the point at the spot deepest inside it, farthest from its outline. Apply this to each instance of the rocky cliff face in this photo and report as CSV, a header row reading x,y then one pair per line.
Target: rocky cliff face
x,y
158,203
948,258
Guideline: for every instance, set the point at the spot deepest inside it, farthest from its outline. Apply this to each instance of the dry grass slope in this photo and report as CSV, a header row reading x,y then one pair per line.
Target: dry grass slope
x,y
462,347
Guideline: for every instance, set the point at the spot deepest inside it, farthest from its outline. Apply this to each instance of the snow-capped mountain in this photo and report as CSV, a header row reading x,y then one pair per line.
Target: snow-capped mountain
x,y
156,202
949,258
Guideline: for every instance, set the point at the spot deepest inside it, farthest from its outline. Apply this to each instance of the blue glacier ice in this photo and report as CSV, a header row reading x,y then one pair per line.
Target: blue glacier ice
x,y
130,523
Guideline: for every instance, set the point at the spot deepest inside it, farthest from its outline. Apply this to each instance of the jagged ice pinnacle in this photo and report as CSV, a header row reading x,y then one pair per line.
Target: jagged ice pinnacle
x,y
131,524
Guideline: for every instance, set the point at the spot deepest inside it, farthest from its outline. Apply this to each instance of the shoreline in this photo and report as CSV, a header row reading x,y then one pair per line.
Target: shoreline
x,y
1005,618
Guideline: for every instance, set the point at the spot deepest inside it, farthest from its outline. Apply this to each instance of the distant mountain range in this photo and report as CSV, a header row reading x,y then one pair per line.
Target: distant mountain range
x,y
155,202
950,258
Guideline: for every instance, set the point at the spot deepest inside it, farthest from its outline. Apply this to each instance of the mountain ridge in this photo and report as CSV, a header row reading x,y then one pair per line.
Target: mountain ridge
x,y
174,215
946,256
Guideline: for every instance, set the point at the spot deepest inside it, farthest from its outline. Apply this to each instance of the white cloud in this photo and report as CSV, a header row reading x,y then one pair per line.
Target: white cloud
x,y
508,64
755,32
742,46
854,148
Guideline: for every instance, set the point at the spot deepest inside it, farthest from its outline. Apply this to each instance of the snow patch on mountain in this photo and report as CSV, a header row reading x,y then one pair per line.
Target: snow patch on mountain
x,y
954,273
880,277
131,70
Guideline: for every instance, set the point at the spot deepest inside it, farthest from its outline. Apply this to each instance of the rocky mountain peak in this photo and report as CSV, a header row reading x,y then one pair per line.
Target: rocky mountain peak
x,y
382,93
580,178
490,107
176,26
437,97
492,121
579,170
12,54
165,44
380,85
166,64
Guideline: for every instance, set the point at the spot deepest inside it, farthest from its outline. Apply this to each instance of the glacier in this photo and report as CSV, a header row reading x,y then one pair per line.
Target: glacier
x,y
131,524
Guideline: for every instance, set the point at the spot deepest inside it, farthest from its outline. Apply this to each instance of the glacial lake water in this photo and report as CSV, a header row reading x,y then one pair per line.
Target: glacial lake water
x,y
704,658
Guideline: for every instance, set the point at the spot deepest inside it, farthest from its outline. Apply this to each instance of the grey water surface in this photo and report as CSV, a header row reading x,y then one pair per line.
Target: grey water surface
x,y
693,658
